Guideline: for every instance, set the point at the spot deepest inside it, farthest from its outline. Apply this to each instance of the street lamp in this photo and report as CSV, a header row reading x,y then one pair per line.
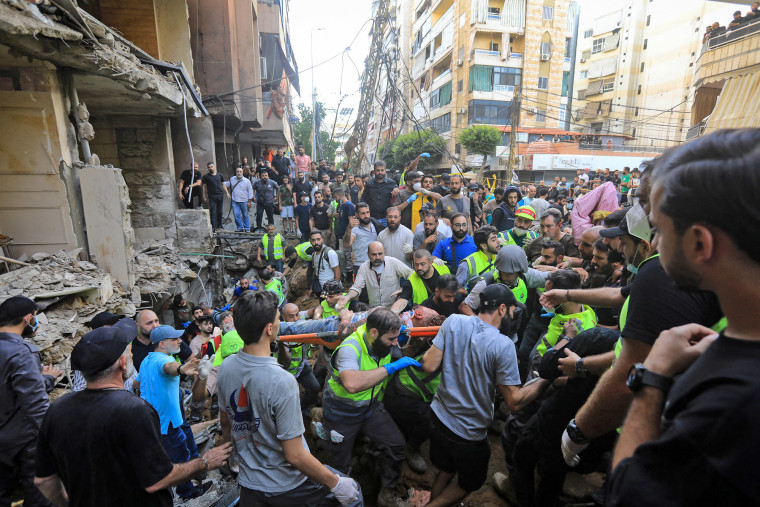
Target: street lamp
x,y
313,97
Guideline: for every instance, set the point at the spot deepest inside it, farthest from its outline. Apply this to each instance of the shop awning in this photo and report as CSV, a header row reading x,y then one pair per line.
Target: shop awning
x,y
738,104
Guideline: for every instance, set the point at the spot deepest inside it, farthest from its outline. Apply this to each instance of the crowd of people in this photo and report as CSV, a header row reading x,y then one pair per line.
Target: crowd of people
x,y
625,344
737,21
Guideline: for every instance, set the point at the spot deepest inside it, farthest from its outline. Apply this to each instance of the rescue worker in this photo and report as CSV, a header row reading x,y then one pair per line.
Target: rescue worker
x,y
293,358
421,284
481,262
352,399
271,283
271,245
331,291
520,234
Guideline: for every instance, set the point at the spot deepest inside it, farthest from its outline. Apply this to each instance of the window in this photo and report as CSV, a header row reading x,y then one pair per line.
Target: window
x,y
565,80
494,46
540,116
458,149
490,112
543,83
645,43
636,112
642,66
562,115
506,78
442,123
441,96
638,92
494,11
546,48
649,19
568,47
633,134
548,13
584,74
588,33
608,85
460,86
597,47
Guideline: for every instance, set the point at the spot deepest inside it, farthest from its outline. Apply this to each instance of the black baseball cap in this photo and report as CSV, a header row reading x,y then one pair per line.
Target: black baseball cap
x,y
495,295
99,349
446,177
615,232
104,319
16,307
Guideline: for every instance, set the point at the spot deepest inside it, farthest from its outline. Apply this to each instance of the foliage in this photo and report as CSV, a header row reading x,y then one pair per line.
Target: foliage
x,y
407,147
481,140
302,130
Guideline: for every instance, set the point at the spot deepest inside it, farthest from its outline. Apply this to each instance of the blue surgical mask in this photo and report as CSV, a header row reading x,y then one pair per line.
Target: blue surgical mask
x,y
569,205
630,267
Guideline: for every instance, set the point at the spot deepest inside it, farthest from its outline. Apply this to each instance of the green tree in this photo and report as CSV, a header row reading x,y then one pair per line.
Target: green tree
x,y
302,130
481,140
407,147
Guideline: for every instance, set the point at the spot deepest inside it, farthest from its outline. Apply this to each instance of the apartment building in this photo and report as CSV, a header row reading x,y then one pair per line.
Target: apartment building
x,y
635,68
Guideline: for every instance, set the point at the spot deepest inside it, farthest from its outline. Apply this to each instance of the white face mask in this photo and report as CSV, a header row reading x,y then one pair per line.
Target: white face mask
x,y
417,187
519,232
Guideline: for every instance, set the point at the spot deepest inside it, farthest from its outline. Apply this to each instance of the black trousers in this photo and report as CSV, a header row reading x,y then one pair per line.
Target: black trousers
x,y
383,433
21,473
411,415
260,208
216,211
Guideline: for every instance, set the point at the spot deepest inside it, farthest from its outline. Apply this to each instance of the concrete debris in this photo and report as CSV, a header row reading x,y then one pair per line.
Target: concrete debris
x,y
158,267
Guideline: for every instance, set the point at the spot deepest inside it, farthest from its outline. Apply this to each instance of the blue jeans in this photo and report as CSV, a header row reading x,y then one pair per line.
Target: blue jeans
x,y
179,444
241,215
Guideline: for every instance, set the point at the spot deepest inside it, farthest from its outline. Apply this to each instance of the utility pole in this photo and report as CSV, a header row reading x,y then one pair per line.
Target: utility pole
x,y
514,119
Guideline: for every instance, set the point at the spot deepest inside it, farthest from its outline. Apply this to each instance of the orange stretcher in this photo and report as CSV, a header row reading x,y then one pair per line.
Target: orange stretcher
x,y
324,338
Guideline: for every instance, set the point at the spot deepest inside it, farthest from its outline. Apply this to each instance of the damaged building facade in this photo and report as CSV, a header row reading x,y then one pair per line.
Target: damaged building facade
x,y
104,105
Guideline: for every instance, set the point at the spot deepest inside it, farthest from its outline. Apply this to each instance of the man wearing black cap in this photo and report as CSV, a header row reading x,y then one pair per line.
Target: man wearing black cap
x,y
102,446
475,357
24,384
443,187
104,319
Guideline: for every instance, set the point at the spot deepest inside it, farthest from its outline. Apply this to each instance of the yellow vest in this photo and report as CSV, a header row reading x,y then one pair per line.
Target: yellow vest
x,y
419,291
277,246
556,327
478,264
328,311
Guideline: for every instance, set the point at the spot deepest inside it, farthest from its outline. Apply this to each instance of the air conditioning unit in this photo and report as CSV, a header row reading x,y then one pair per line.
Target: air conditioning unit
x,y
462,110
459,62
545,57
531,110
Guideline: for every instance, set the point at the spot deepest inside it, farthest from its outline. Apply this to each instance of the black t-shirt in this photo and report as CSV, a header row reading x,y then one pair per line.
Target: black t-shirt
x,y
438,189
299,188
214,184
656,304
319,214
444,310
406,287
105,445
708,449
188,179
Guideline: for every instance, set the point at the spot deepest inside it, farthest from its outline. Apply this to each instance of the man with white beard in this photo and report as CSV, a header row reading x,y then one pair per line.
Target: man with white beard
x,y
82,427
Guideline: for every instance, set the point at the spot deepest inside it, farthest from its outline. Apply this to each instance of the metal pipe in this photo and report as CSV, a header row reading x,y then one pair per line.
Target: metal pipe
x,y
74,100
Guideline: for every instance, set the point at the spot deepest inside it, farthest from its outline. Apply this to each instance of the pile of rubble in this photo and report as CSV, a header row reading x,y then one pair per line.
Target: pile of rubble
x,y
158,266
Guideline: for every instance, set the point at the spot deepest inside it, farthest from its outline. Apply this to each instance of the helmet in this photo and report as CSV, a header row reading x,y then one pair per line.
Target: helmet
x,y
526,212
332,288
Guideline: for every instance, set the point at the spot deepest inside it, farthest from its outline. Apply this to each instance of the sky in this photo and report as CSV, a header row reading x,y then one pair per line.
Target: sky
x,y
334,25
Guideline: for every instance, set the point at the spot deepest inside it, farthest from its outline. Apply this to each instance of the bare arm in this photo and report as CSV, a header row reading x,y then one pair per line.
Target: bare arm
x,y
336,273
224,422
465,309
608,297
53,489
348,240
298,456
432,359
518,397
360,380
399,305
642,424
311,224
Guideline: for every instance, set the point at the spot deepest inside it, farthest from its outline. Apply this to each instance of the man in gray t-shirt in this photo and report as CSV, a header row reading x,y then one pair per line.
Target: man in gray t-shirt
x,y
474,357
260,414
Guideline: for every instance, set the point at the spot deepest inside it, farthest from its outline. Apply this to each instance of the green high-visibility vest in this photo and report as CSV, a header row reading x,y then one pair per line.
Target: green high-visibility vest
x,y
419,291
231,343
277,250
297,357
418,382
301,251
624,317
520,291
358,342
478,264
328,311
507,238
556,327
276,286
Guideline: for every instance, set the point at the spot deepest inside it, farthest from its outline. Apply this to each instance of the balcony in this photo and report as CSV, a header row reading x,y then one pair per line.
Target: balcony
x,y
442,79
727,53
485,52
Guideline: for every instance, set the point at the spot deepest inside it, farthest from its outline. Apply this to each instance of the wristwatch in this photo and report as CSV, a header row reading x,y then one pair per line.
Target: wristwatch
x,y
639,376
575,433
580,370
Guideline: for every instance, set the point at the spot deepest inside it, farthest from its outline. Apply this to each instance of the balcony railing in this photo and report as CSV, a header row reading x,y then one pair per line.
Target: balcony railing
x,y
493,17
503,88
515,55
486,52
441,78
730,36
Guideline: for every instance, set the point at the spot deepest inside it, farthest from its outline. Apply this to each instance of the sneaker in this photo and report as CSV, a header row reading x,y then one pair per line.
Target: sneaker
x,y
415,459
387,498
504,488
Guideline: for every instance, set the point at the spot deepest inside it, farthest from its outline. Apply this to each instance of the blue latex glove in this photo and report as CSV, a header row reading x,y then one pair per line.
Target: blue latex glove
x,y
186,324
425,155
403,338
412,198
225,308
402,363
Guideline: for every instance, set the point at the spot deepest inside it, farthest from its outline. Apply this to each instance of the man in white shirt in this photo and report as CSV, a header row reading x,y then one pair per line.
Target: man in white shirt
x,y
381,276
396,238
324,260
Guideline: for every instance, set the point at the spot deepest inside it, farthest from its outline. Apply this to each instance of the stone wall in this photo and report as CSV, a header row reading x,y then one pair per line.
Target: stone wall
x,y
142,147
194,232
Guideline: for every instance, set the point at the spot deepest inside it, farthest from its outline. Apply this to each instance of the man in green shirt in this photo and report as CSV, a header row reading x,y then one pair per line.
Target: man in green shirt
x,y
625,181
